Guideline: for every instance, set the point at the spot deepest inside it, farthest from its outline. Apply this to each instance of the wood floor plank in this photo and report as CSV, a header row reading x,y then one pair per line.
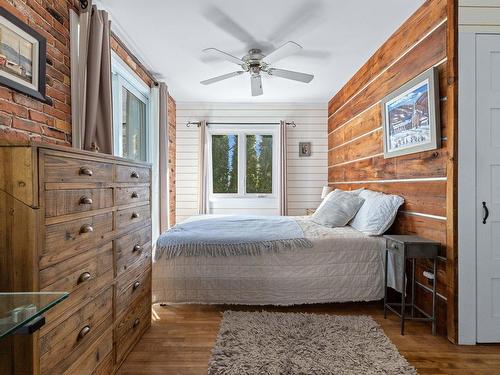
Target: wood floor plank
x,y
181,338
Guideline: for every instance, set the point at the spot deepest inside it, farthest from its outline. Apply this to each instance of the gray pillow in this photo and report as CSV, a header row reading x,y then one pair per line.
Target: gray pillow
x,y
337,209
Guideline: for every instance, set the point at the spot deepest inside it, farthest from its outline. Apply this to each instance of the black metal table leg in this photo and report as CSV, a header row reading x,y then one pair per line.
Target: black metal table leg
x,y
412,287
434,297
385,283
403,292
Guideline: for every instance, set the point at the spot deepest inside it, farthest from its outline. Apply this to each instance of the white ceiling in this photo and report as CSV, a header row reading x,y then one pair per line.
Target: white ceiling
x,y
338,36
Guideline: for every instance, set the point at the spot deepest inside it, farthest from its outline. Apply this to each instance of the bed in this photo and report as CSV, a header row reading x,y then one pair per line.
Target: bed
x,y
342,264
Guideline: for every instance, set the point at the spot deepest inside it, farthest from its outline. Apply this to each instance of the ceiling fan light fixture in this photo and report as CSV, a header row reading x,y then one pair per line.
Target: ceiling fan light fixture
x,y
255,62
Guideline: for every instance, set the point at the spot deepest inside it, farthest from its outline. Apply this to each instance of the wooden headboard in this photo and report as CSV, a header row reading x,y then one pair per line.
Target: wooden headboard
x,y
426,179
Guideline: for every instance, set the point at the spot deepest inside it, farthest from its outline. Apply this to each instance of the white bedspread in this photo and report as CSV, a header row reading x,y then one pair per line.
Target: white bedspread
x,y
343,265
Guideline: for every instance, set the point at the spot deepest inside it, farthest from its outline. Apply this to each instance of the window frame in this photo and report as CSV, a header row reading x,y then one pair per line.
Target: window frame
x,y
242,132
123,77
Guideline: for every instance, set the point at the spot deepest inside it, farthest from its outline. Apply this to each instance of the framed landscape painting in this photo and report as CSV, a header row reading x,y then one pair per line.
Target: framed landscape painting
x,y
410,116
22,57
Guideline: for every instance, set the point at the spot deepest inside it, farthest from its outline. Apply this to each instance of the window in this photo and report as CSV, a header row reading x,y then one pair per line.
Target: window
x,y
259,166
130,112
133,126
242,162
225,164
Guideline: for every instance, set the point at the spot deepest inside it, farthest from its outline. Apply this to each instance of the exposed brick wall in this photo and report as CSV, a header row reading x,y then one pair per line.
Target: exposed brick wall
x,y
24,118
130,60
171,157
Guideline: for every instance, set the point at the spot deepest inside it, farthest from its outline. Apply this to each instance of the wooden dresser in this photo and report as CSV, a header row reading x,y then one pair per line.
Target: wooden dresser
x,y
78,222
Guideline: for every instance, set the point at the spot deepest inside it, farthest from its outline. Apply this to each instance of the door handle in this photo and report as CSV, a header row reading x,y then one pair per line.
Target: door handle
x,y
486,213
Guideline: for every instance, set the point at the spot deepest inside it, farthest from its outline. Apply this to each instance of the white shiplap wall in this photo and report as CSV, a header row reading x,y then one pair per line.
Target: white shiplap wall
x,y
481,16
306,176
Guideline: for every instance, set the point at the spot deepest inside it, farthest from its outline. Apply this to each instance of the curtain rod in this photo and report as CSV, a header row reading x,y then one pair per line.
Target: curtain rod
x,y
198,123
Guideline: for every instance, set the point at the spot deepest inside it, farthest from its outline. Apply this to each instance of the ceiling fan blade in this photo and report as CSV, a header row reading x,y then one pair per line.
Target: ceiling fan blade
x,y
226,23
223,55
222,77
289,74
256,81
287,49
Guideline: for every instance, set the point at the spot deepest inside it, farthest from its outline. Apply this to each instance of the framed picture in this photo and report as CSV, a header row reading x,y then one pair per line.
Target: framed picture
x,y
410,116
22,57
304,149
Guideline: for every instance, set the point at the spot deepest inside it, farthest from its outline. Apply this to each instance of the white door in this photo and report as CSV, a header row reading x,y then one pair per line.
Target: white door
x,y
488,187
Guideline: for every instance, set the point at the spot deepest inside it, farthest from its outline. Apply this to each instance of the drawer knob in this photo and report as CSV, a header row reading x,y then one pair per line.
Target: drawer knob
x,y
137,248
135,215
135,195
136,322
134,174
86,228
395,246
83,332
85,200
84,277
136,285
85,171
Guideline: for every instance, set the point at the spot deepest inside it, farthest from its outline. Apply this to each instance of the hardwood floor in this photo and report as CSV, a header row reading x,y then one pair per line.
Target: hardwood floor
x,y
181,338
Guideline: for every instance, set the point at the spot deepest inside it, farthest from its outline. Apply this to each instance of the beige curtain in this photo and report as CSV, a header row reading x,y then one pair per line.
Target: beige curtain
x,y
163,157
97,123
282,180
202,170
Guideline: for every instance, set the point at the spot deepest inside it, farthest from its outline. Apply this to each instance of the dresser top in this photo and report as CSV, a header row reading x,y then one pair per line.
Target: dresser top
x,y
50,146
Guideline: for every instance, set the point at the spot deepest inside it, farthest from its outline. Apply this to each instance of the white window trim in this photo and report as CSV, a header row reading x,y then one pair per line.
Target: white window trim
x,y
124,76
242,131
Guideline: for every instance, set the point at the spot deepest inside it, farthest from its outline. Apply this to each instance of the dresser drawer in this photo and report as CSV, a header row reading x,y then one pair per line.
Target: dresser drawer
x,y
126,173
131,195
131,326
132,285
97,359
62,345
82,276
133,217
64,240
134,247
67,169
63,202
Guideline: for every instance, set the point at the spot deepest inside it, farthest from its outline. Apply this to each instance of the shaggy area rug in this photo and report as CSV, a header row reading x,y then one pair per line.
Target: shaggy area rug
x,y
292,343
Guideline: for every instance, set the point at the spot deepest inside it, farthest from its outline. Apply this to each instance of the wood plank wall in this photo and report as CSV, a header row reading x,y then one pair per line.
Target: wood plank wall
x,y
172,163
355,148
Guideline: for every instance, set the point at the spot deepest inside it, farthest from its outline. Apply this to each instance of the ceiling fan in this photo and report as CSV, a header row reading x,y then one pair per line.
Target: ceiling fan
x,y
255,63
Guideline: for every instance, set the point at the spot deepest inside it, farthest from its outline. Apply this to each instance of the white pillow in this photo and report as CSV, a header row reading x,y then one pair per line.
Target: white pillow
x,y
377,213
356,191
337,209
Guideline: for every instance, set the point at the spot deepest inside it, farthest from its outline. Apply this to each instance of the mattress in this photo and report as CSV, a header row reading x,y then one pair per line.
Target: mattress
x,y
343,265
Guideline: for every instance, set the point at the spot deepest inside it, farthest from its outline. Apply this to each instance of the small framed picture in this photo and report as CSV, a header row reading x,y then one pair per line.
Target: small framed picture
x,y
410,116
304,149
22,57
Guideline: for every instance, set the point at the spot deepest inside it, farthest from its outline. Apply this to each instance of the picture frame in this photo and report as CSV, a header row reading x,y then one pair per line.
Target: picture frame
x,y
304,149
410,116
23,54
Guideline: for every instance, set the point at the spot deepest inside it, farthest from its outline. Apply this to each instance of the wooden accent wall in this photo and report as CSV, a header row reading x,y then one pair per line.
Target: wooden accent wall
x,y
426,180
21,117
171,158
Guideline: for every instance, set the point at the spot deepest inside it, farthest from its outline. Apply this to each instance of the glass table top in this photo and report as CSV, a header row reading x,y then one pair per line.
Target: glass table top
x,y
18,309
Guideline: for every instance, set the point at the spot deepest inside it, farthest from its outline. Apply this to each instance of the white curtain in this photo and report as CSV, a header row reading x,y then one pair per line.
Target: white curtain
x,y
282,178
202,170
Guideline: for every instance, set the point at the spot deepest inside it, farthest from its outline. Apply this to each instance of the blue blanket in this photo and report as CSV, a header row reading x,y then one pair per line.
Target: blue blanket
x,y
231,235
